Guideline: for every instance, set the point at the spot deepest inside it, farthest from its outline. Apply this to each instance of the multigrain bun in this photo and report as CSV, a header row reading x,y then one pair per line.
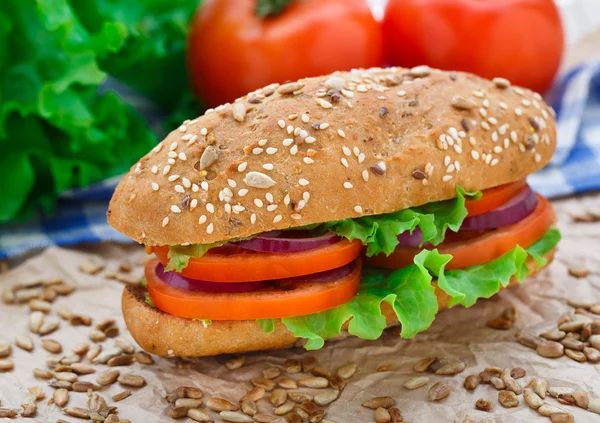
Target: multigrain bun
x,y
328,148
167,335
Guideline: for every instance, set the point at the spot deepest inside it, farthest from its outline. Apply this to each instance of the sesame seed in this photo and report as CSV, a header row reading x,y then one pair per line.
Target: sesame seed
x,y
204,185
347,93
272,207
269,197
401,93
202,219
356,151
430,172
522,148
482,112
361,157
450,168
175,209
485,125
297,131
289,129
365,175
447,160
186,182
308,160
286,200
171,161
258,202
277,218
450,140
294,150
257,150
210,228
486,103
242,192
262,142
458,148
493,120
526,102
488,159
210,208
292,116
305,118
192,139
538,157
495,136
306,196
173,178
446,178
518,111
310,140
173,146
346,151
536,104
203,131
544,114
296,216
281,123
287,142
463,134
303,182
231,183
158,148
172,154
179,189
358,209
494,162
182,156
154,186
497,149
341,133
237,209
268,166
324,125
472,141
503,105
513,136
453,132
475,154
271,150
165,222
518,90
193,204
506,142
344,162
362,88
253,218
155,169
478,94
242,166
324,103
348,185
303,134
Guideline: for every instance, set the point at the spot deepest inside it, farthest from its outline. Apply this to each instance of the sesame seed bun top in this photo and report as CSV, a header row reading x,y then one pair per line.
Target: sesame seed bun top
x,y
333,147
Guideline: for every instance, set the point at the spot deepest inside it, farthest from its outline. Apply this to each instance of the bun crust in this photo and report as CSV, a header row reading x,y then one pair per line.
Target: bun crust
x,y
328,148
167,335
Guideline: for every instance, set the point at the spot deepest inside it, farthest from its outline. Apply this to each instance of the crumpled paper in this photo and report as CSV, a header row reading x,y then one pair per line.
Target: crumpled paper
x,y
456,334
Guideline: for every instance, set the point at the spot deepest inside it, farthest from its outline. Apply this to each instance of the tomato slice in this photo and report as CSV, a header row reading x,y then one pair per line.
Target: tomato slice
x,y
277,301
482,249
494,197
248,266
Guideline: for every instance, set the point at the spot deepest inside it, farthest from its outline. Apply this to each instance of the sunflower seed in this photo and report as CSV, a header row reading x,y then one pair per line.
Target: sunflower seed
x,y
6,365
8,413
321,372
578,272
463,103
395,414
63,368
29,409
24,342
82,369
528,339
566,399
292,366
97,336
120,360
438,391
424,364
488,420
582,399
8,296
302,414
5,349
39,305
299,397
216,404
70,359
337,382
61,397
289,88
132,380
550,349
532,399
49,295
285,408
556,391
471,382
308,364
376,402
314,382
347,370
287,383
85,386
416,382
508,399
238,111
271,372
254,394
278,397
112,418
235,417
125,345
108,377
106,355
42,374
594,405
192,392
554,335
258,180
58,384
198,415
490,372
195,403
143,357
595,341
595,309
326,397
498,383
266,384
580,302
178,412
25,295
249,408
572,326
562,418
317,416
67,376
38,392
451,368
483,404
385,368
78,412
80,320
121,396
382,415
235,363
52,346
500,323
511,384
294,418
547,410
467,419
540,387
48,327
592,354
92,353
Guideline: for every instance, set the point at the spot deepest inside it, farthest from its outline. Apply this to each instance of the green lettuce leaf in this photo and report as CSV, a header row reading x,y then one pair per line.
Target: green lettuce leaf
x,y
380,232
179,256
267,325
410,292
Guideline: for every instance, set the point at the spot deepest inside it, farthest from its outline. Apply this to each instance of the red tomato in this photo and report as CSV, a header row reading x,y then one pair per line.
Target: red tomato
x,y
521,40
231,51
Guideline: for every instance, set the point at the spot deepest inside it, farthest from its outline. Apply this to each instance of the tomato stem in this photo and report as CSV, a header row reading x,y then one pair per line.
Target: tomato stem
x,y
270,8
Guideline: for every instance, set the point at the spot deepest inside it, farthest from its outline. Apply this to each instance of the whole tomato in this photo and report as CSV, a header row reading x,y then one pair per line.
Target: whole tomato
x,y
232,50
521,40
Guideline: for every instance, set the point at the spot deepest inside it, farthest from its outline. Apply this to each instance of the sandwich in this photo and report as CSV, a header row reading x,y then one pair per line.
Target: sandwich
x,y
334,206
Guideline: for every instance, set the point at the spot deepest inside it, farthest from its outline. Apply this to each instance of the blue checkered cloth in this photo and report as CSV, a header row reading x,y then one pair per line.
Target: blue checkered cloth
x,y
81,214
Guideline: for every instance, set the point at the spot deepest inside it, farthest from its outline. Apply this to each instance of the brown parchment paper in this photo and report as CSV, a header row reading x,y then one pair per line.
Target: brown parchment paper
x,y
456,334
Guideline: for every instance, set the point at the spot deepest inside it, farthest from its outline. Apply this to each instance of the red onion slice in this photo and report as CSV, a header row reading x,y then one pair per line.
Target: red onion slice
x,y
175,280
517,209
269,243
